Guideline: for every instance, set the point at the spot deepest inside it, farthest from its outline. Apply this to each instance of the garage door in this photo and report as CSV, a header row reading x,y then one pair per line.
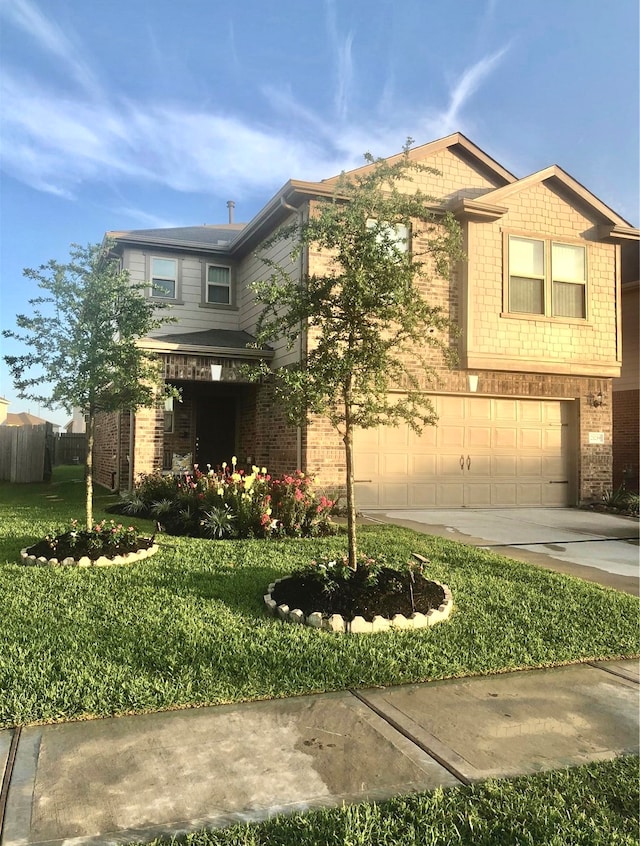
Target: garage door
x,y
483,452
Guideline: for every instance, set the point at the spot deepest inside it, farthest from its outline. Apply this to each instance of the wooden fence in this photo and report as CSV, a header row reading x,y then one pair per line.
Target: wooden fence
x,y
27,453
23,452
69,448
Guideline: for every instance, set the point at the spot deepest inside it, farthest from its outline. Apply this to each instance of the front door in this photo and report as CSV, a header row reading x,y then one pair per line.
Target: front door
x,y
215,431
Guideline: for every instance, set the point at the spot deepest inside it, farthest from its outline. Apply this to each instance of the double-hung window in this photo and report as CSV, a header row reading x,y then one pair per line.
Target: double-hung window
x,y
546,277
217,287
164,278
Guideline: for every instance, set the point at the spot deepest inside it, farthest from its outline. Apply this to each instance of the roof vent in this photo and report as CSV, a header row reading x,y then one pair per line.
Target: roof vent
x,y
231,206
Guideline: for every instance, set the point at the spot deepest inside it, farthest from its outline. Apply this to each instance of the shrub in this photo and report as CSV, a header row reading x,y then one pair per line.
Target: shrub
x,y
231,503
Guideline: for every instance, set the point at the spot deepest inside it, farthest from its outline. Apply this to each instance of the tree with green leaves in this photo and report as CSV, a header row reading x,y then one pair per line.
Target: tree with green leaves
x,y
81,339
366,320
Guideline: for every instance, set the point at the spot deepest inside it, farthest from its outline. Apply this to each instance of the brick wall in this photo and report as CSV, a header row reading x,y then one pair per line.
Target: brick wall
x,y
626,435
105,450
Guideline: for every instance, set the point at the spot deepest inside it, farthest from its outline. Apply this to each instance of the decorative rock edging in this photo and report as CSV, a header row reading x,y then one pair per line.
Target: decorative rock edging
x,y
336,623
85,561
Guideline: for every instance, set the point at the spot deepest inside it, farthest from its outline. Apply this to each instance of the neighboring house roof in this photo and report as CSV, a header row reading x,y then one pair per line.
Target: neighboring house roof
x,y
212,341
23,418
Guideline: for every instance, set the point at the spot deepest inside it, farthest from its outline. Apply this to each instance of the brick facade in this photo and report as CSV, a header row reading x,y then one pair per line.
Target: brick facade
x,y
626,438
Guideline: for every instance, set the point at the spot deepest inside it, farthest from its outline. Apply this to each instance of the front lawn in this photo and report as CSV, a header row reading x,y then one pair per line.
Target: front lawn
x,y
593,805
188,627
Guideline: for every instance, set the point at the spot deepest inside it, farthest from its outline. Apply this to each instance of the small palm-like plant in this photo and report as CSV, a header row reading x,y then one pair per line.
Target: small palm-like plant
x,y
219,523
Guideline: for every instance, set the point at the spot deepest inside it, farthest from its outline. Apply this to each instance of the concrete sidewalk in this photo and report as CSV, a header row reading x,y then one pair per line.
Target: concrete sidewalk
x,y
128,778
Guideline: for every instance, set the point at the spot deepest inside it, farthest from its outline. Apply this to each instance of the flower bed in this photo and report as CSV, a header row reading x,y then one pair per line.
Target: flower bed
x,y
229,503
106,543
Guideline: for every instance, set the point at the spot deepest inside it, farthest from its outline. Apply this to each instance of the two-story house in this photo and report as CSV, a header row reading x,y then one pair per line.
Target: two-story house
x,y
524,419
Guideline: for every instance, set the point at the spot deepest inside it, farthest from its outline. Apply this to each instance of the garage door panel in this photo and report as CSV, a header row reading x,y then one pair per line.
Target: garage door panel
x,y
395,495
477,495
424,441
422,495
503,494
478,437
505,409
552,439
556,494
478,409
529,465
394,438
478,465
366,465
530,439
450,496
423,465
530,411
554,467
503,465
529,493
367,495
451,408
450,436
395,464
504,438
449,465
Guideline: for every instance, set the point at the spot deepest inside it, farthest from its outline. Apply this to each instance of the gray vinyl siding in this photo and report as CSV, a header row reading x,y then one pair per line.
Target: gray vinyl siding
x,y
253,269
190,314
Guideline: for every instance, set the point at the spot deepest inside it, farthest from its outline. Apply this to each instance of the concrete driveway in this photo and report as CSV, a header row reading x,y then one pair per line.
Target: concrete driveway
x,y
598,547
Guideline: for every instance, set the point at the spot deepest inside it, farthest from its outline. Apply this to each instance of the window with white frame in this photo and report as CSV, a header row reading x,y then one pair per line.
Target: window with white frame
x,y
217,289
546,277
164,278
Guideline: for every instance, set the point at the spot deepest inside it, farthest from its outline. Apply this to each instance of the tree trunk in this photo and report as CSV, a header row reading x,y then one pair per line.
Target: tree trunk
x,y
351,498
88,470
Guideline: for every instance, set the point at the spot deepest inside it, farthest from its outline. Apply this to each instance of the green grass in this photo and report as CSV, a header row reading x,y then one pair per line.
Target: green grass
x,y
188,627
592,805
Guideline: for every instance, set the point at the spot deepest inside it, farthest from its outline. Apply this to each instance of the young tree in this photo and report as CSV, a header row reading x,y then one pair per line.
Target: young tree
x,y
81,340
369,328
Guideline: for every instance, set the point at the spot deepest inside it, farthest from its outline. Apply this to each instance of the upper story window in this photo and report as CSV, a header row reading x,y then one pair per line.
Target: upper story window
x,y
546,277
217,285
397,234
164,278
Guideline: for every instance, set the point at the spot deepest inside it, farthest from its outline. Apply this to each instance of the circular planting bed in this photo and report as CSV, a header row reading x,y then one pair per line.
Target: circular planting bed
x,y
68,555
396,600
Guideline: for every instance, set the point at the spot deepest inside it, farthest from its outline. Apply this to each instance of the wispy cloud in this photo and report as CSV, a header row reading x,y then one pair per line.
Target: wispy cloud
x,y
26,16
342,47
468,83
56,142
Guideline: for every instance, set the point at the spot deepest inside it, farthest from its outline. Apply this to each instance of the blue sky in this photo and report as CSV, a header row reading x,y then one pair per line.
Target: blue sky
x,y
134,114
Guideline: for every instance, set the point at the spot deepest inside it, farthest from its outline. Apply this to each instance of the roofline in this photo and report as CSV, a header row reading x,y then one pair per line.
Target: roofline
x,y
556,172
155,345
455,139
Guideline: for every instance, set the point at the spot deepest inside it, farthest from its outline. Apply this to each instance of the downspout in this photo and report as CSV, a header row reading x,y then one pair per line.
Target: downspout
x,y
300,214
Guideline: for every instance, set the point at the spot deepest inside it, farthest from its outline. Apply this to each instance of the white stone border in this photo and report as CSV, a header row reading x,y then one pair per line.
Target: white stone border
x,y
336,623
85,561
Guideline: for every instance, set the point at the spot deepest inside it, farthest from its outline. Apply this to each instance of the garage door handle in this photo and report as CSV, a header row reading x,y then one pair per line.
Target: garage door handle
x,y
558,482
462,462
360,481
468,462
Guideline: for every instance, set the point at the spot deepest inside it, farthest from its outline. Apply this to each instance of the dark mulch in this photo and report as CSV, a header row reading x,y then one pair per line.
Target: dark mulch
x,y
66,546
391,594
